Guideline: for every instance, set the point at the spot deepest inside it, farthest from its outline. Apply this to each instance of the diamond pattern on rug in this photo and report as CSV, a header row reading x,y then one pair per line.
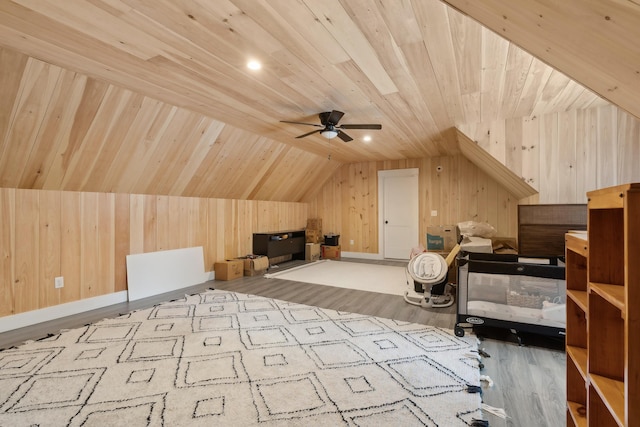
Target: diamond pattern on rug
x,y
209,407
225,358
139,411
267,337
434,340
56,389
19,363
299,396
109,332
367,326
336,354
434,378
152,349
403,413
226,368
300,315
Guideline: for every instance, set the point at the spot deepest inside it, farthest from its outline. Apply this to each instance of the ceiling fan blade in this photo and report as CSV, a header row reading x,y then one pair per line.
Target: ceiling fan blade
x,y
361,126
310,133
343,136
329,122
335,117
301,123
324,117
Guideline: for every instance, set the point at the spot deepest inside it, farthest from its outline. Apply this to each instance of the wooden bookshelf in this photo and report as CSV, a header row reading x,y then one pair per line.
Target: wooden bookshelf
x,y
603,311
576,247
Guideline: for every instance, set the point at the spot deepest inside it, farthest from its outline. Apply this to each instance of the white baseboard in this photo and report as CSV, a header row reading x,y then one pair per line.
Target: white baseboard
x,y
361,255
33,317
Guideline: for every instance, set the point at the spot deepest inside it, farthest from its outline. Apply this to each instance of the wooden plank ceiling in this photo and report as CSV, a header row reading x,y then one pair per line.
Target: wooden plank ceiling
x,y
154,96
593,41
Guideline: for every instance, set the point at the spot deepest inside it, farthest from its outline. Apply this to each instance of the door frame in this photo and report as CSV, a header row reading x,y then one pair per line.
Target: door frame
x,y
382,174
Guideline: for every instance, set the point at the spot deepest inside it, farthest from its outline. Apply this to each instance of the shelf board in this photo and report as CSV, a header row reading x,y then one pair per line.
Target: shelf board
x,y
614,294
578,419
579,356
579,297
612,394
576,241
611,197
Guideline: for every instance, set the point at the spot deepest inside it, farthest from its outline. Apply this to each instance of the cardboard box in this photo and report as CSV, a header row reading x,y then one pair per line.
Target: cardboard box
x,y
504,245
229,270
312,251
313,236
330,252
442,237
255,266
477,245
314,224
313,232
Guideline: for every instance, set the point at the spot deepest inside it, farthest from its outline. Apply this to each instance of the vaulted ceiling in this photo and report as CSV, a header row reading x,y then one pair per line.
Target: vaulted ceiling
x,y
154,96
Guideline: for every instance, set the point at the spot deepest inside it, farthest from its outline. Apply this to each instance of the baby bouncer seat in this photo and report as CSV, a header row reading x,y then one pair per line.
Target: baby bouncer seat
x,y
428,286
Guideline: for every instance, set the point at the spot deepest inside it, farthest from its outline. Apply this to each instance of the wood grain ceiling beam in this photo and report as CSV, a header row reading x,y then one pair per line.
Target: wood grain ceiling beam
x,y
513,183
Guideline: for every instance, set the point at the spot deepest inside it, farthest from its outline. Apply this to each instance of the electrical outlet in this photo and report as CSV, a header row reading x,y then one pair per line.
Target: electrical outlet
x,y
352,242
434,213
58,282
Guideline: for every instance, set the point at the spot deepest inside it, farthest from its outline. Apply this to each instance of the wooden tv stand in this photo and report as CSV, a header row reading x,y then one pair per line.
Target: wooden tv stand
x,y
279,244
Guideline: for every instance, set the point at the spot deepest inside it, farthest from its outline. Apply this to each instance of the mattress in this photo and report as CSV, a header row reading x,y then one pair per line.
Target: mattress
x,y
552,315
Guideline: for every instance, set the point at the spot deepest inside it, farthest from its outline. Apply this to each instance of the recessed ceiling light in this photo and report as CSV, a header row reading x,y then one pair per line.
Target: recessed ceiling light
x,y
367,138
254,64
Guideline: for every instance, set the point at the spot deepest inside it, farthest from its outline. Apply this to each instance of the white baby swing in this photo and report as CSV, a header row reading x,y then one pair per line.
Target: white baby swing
x,y
428,286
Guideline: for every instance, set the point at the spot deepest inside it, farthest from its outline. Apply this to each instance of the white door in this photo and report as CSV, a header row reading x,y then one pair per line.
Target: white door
x,y
398,212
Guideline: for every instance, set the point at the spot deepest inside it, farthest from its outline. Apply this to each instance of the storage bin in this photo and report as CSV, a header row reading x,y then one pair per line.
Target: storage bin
x,y
331,239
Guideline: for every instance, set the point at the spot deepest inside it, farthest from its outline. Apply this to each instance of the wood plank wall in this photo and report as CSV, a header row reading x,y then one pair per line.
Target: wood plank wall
x,y
85,238
564,155
348,203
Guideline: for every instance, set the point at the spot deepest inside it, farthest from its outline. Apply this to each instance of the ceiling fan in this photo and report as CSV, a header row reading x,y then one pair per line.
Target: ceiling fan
x,y
330,129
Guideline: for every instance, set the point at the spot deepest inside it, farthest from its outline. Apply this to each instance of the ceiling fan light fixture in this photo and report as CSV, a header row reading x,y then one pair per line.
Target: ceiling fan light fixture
x,y
330,128
329,133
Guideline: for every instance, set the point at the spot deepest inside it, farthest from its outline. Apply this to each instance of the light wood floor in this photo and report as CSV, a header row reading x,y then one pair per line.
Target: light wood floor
x,y
529,380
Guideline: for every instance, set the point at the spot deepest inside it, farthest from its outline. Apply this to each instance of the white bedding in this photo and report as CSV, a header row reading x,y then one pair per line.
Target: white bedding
x,y
549,315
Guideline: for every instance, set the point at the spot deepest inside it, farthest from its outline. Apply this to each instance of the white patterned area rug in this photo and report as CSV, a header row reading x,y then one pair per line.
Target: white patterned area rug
x,y
229,359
